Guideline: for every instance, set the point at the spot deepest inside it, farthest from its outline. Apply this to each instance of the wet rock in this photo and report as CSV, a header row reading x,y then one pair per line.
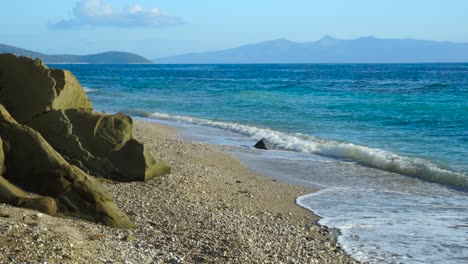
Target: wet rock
x,y
33,165
264,144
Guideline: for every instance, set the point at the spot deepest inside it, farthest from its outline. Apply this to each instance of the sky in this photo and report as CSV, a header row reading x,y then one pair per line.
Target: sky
x,y
158,28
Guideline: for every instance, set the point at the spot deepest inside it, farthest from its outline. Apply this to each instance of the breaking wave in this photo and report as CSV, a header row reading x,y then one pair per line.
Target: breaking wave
x,y
385,160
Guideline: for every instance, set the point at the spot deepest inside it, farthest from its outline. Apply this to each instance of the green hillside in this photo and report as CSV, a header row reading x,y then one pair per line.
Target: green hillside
x,y
112,57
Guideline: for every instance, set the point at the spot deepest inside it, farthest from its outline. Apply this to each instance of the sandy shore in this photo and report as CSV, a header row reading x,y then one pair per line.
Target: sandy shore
x,y
210,209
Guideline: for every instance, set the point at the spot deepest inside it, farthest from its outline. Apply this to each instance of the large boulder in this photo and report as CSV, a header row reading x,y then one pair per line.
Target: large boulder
x,y
53,103
29,88
13,195
99,144
33,165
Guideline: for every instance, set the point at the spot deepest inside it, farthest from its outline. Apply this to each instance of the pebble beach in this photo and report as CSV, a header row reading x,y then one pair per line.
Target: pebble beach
x,y
210,209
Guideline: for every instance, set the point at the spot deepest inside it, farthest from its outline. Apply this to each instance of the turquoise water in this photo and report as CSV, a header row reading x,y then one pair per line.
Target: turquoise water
x,y
375,130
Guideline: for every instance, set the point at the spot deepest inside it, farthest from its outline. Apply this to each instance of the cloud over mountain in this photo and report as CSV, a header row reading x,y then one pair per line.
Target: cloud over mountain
x,y
99,13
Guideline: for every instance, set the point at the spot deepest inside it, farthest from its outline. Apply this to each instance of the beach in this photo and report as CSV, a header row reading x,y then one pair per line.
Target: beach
x,y
211,208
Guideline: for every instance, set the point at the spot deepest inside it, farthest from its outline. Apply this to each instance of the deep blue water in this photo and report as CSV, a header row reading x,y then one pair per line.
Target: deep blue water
x,y
407,119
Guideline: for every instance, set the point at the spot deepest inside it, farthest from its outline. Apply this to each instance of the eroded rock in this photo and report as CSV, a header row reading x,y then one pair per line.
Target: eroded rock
x,y
33,165
10,194
29,88
53,103
99,144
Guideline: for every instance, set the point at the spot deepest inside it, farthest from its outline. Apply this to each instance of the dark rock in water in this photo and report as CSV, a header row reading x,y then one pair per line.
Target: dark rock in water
x,y
33,165
99,144
29,88
264,144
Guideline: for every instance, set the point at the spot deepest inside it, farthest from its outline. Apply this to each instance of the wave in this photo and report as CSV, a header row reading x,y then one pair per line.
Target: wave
x,y
89,90
381,159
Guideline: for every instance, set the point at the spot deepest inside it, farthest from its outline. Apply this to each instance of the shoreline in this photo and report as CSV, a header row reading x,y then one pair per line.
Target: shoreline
x,y
210,209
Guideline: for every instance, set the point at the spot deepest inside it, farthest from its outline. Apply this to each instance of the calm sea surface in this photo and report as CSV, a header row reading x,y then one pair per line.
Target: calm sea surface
x,y
387,144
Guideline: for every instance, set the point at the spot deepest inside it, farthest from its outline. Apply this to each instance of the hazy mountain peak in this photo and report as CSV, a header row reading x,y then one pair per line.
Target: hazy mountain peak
x,y
327,38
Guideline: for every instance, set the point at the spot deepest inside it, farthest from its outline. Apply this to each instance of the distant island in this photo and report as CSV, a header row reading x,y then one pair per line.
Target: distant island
x,y
331,50
111,57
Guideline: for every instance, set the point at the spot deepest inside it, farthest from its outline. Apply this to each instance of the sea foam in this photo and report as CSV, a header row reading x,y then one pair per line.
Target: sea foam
x,y
381,159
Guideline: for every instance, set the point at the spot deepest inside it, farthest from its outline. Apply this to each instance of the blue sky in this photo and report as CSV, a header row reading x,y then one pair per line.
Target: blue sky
x,y
155,28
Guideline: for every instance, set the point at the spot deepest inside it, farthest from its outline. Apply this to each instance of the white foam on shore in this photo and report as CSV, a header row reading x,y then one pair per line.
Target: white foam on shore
x,y
381,226
373,157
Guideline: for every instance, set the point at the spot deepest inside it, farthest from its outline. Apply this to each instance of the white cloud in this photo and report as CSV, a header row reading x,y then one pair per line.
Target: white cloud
x,y
99,13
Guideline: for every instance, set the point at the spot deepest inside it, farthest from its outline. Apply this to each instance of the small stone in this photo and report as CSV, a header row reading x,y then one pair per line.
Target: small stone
x,y
129,238
2,214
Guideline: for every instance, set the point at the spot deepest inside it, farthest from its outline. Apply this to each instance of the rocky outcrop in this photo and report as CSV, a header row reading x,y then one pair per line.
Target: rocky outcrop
x,y
52,139
32,164
99,144
57,107
29,88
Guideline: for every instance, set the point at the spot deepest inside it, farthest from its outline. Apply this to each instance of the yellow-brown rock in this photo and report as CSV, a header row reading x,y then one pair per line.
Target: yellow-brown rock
x,y
33,165
99,144
11,194
29,88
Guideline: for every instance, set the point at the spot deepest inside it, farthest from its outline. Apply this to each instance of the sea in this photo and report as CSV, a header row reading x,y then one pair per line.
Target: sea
x,y
385,144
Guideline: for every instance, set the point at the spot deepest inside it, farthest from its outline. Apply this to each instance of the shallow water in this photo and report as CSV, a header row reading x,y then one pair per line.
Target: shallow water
x,y
387,144
383,217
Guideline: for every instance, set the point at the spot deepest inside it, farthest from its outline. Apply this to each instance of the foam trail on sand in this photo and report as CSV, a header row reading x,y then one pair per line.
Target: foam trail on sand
x,y
374,157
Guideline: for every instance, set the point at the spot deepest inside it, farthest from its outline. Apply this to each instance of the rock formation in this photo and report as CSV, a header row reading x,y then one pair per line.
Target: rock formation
x,y
29,88
99,144
32,164
13,195
57,107
50,139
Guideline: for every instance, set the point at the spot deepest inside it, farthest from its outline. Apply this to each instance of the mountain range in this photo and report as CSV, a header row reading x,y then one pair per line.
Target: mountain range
x,y
331,50
326,50
111,57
